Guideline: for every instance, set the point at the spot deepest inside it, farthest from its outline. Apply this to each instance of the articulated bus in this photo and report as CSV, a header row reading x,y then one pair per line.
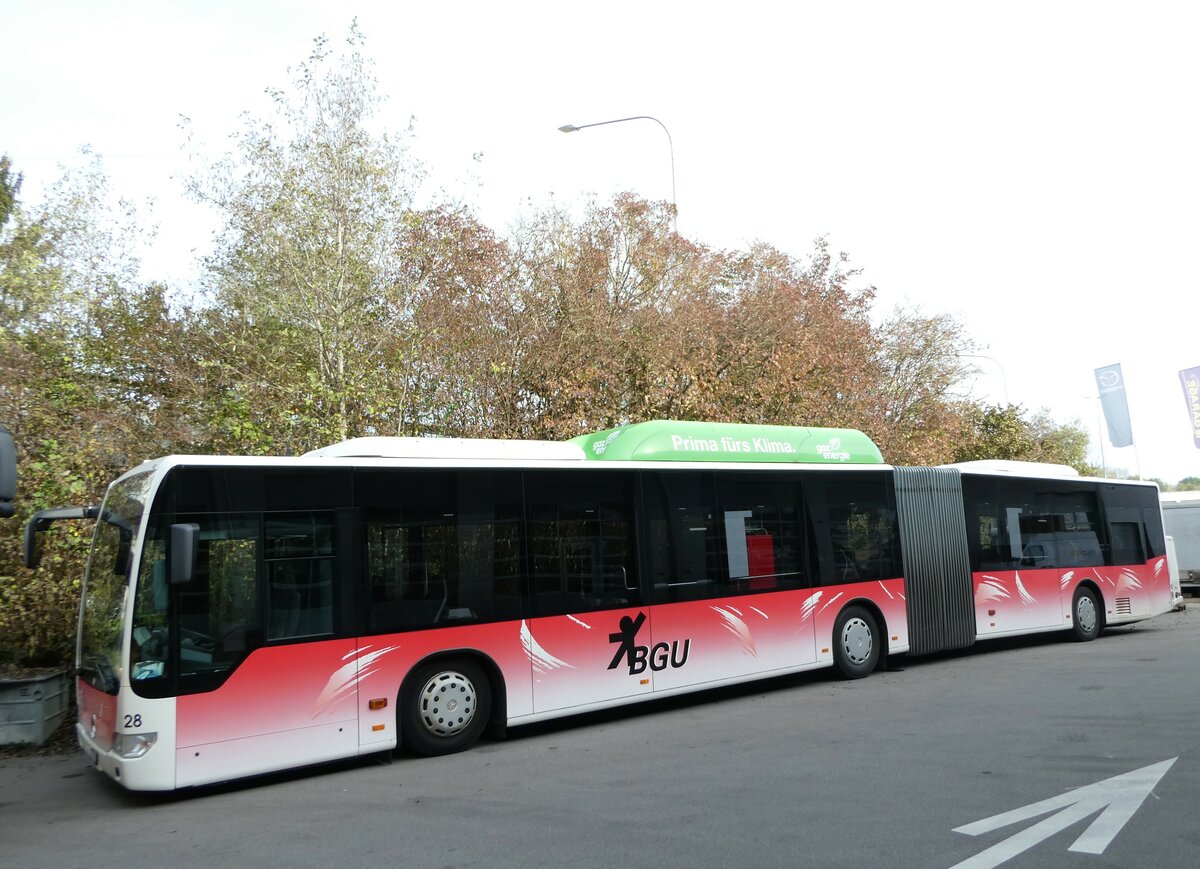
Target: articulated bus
x,y
246,615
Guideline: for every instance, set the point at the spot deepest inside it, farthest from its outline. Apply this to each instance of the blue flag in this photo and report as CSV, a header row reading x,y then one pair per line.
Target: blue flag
x,y
1190,378
1116,409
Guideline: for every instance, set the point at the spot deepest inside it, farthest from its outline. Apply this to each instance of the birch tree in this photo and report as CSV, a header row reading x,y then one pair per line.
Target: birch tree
x,y
307,269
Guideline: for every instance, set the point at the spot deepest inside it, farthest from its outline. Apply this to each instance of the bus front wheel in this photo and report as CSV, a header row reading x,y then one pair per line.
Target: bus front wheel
x,y
445,707
855,643
1085,615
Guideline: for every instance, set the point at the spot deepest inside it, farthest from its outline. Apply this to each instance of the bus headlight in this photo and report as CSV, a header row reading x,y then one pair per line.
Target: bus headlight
x,y
130,745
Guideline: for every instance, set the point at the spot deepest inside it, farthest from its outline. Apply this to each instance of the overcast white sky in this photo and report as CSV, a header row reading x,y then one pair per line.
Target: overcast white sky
x,y
1028,166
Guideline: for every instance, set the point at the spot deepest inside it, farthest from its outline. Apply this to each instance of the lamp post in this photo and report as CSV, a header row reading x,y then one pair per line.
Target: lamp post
x,y
1003,378
573,128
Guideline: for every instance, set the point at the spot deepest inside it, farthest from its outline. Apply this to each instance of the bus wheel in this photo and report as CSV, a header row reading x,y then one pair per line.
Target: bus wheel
x,y
445,707
855,643
1085,615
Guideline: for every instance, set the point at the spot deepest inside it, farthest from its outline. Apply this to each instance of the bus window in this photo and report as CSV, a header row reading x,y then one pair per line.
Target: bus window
x,y
1033,524
1134,532
1126,543
684,545
854,516
219,613
298,558
1050,527
763,540
581,541
710,539
443,547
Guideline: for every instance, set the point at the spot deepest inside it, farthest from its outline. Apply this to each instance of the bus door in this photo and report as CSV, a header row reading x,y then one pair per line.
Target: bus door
x,y
263,680
725,556
587,620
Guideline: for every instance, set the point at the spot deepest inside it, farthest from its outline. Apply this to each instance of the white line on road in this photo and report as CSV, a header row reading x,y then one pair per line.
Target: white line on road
x,y
1116,798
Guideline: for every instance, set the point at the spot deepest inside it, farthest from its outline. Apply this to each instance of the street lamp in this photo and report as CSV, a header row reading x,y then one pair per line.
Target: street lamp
x,y
572,128
1003,378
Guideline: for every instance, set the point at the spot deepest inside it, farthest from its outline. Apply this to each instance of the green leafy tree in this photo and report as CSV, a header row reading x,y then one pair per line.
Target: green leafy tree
x,y
994,432
308,272
70,412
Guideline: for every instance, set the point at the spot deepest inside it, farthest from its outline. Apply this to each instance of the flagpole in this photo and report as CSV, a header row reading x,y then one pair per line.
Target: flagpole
x,y
1100,433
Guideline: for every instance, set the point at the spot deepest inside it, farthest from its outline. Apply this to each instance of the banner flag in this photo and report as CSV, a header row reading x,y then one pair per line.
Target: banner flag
x,y
1116,409
1190,378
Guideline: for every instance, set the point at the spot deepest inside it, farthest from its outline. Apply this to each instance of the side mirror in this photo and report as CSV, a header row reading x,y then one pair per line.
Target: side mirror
x,y
184,540
8,473
42,520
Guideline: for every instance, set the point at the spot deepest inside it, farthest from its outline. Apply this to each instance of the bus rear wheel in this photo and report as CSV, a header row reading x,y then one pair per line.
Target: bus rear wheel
x,y
1085,615
855,643
445,707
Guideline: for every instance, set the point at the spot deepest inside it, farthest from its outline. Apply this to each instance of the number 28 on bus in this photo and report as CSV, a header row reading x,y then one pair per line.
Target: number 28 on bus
x,y
245,615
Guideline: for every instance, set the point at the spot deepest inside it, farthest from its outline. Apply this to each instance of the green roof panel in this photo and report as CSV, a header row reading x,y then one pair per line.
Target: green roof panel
x,y
679,441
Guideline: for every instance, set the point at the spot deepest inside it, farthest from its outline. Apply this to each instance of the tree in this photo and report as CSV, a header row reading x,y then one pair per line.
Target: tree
x,y
913,411
598,307
308,273
1060,443
60,265
994,432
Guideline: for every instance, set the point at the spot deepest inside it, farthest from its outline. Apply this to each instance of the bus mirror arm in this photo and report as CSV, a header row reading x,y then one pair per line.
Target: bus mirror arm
x,y
183,552
42,520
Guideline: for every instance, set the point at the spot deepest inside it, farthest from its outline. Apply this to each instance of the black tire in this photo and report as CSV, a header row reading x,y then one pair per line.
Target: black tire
x,y
856,645
445,707
1086,616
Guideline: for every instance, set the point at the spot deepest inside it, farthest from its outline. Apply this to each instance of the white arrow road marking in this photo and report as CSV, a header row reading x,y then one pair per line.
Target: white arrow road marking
x,y
1119,797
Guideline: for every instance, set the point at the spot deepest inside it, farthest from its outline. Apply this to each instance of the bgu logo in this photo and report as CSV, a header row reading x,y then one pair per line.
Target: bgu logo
x,y
657,658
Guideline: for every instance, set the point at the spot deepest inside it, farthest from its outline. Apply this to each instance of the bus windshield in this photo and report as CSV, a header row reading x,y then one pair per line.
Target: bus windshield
x,y
106,582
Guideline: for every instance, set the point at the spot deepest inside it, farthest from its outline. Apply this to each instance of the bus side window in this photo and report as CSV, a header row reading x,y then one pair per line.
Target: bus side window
x,y
581,541
1126,543
854,518
443,547
763,535
684,550
299,562
1133,531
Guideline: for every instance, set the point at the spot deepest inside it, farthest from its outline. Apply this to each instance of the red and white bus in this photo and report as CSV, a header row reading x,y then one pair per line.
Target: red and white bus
x,y
246,615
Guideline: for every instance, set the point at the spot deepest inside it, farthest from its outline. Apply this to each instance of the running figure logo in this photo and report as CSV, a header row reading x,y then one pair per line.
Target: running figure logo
x,y
641,657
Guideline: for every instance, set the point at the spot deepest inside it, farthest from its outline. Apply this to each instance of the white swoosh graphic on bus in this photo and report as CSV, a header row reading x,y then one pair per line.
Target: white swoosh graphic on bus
x,y
732,622
1026,597
830,602
1128,579
347,677
992,588
542,661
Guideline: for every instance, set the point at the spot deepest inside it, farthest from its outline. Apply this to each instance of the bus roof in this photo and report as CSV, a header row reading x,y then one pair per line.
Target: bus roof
x,y
680,441
1010,466
657,441
449,448
1179,498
